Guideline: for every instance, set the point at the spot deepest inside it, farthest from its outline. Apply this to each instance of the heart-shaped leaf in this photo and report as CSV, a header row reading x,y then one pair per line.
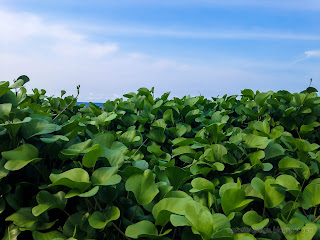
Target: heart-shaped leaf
x,y
144,229
233,200
73,178
49,201
89,159
20,157
100,219
105,176
143,186
255,221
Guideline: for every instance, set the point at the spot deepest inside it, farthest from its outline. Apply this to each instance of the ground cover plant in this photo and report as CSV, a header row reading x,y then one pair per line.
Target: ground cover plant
x,y
233,167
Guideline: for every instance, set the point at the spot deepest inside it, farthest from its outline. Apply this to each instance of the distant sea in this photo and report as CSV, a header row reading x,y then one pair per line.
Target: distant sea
x,y
87,104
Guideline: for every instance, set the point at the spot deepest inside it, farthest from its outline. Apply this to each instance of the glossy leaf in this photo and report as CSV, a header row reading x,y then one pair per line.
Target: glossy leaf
x,y
20,157
143,186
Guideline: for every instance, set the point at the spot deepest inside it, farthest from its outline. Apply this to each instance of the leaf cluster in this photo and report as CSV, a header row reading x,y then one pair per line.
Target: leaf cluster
x,y
234,167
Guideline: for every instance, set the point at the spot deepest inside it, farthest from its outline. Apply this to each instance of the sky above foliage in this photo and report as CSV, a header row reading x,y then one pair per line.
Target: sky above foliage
x,y
187,47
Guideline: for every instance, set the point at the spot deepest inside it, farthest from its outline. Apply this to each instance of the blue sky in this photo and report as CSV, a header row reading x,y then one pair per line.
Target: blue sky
x,y
186,47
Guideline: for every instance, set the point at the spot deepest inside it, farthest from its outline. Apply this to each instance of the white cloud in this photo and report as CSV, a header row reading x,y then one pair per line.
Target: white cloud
x,y
308,55
312,53
25,31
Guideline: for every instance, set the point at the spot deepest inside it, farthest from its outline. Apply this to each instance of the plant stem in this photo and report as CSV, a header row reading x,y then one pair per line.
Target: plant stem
x,y
134,213
304,212
174,233
316,219
115,226
315,211
44,178
138,148
88,202
264,211
297,199
65,212
195,162
98,204
119,230
66,107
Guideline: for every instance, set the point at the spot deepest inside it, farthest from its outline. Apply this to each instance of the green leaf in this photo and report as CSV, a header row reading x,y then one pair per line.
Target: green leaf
x,y
233,200
89,159
129,137
143,229
99,220
201,184
254,141
248,93
143,186
195,213
179,221
218,152
4,89
290,183
53,235
157,135
49,201
155,149
75,149
307,232
38,126
244,236
274,150
24,218
300,167
20,157
183,150
305,146
5,109
20,81
308,127
77,226
177,176
75,192
272,196
310,196
54,139
262,126
2,205
289,209
229,159
73,178
255,221
14,125
114,154
260,98
105,176
12,232
165,207
168,116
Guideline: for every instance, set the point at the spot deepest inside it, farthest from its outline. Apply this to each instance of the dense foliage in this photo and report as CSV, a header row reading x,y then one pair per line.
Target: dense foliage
x,y
236,167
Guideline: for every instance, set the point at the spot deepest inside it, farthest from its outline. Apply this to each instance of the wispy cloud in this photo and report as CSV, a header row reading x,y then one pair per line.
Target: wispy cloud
x,y
312,53
283,4
295,5
206,34
308,55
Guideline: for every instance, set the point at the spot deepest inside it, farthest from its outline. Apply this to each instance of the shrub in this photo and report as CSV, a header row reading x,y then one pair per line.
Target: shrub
x,y
236,167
